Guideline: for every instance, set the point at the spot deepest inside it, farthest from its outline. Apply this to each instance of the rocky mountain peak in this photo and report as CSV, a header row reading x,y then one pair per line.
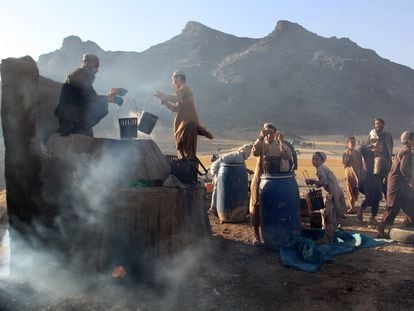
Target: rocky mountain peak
x,y
284,25
192,26
286,30
71,41
74,43
198,29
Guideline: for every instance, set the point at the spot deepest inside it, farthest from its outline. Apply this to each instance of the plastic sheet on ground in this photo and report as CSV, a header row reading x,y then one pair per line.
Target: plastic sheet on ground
x,y
303,253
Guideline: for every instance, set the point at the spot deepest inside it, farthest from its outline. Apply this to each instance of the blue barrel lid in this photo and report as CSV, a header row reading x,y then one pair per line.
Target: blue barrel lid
x,y
278,176
232,164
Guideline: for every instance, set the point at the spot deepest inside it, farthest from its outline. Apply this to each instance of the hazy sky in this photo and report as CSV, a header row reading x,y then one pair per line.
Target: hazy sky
x,y
29,27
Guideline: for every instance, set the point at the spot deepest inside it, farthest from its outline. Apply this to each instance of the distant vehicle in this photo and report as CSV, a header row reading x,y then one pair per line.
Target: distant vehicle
x,y
305,145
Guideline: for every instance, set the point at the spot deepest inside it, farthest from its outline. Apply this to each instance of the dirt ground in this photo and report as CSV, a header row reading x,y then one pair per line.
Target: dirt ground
x,y
233,274
379,278
228,272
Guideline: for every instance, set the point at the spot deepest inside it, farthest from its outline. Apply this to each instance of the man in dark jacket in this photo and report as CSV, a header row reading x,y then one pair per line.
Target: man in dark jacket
x,y
80,107
378,133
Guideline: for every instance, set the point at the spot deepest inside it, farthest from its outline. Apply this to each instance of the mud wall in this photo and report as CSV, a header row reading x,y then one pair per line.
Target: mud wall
x,y
27,102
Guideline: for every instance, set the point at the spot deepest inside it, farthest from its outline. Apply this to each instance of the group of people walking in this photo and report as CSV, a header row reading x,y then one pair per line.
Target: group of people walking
x,y
370,170
373,171
366,169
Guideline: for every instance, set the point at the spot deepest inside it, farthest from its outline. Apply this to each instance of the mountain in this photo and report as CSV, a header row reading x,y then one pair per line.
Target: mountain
x,y
302,82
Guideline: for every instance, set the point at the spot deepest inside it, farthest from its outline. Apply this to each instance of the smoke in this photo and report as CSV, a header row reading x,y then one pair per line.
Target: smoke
x,y
73,255
56,283
183,275
94,183
4,252
64,276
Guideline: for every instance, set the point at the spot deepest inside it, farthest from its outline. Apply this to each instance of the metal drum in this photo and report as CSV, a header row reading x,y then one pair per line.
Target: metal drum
x,y
232,196
279,209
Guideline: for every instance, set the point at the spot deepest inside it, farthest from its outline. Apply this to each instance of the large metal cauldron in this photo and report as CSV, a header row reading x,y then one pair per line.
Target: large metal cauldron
x,y
128,128
279,209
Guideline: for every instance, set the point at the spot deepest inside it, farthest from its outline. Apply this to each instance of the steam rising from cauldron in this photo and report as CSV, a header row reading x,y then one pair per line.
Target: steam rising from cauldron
x,y
53,276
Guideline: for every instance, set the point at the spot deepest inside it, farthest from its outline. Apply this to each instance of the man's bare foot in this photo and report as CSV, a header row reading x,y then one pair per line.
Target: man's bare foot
x,y
373,221
257,241
352,210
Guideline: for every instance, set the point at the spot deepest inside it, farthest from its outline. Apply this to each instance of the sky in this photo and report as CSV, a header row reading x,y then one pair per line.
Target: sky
x,y
29,27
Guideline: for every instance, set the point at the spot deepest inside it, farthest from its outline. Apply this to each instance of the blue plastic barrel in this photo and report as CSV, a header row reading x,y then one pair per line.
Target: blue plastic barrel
x,y
279,209
232,196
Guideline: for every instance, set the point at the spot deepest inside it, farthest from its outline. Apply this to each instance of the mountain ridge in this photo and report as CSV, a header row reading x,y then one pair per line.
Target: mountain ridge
x,y
305,83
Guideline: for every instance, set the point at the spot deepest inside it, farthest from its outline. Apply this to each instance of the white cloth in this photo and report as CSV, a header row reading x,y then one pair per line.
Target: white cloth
x,y
373,134
235,157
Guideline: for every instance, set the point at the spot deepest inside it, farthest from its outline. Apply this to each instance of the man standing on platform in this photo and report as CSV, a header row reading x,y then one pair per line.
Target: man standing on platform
x,y
186,123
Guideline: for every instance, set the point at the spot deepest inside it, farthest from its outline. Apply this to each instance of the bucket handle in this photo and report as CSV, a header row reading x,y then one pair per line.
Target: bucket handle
x,y
136,108
203,167
145,102
305,174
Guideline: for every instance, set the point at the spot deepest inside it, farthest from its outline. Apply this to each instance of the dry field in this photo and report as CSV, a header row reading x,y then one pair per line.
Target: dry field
x,y
332,149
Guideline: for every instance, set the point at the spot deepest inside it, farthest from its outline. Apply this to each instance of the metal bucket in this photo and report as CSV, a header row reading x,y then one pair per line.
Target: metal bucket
x,y
146,122
271,164
128,127
315,199
184,169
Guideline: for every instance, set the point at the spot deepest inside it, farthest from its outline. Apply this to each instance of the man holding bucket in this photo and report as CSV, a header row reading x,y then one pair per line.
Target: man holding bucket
x,y
269,143
80,107
186,123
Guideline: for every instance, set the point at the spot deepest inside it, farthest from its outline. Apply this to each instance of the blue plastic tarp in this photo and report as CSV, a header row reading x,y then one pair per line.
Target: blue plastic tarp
x,y
305,254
